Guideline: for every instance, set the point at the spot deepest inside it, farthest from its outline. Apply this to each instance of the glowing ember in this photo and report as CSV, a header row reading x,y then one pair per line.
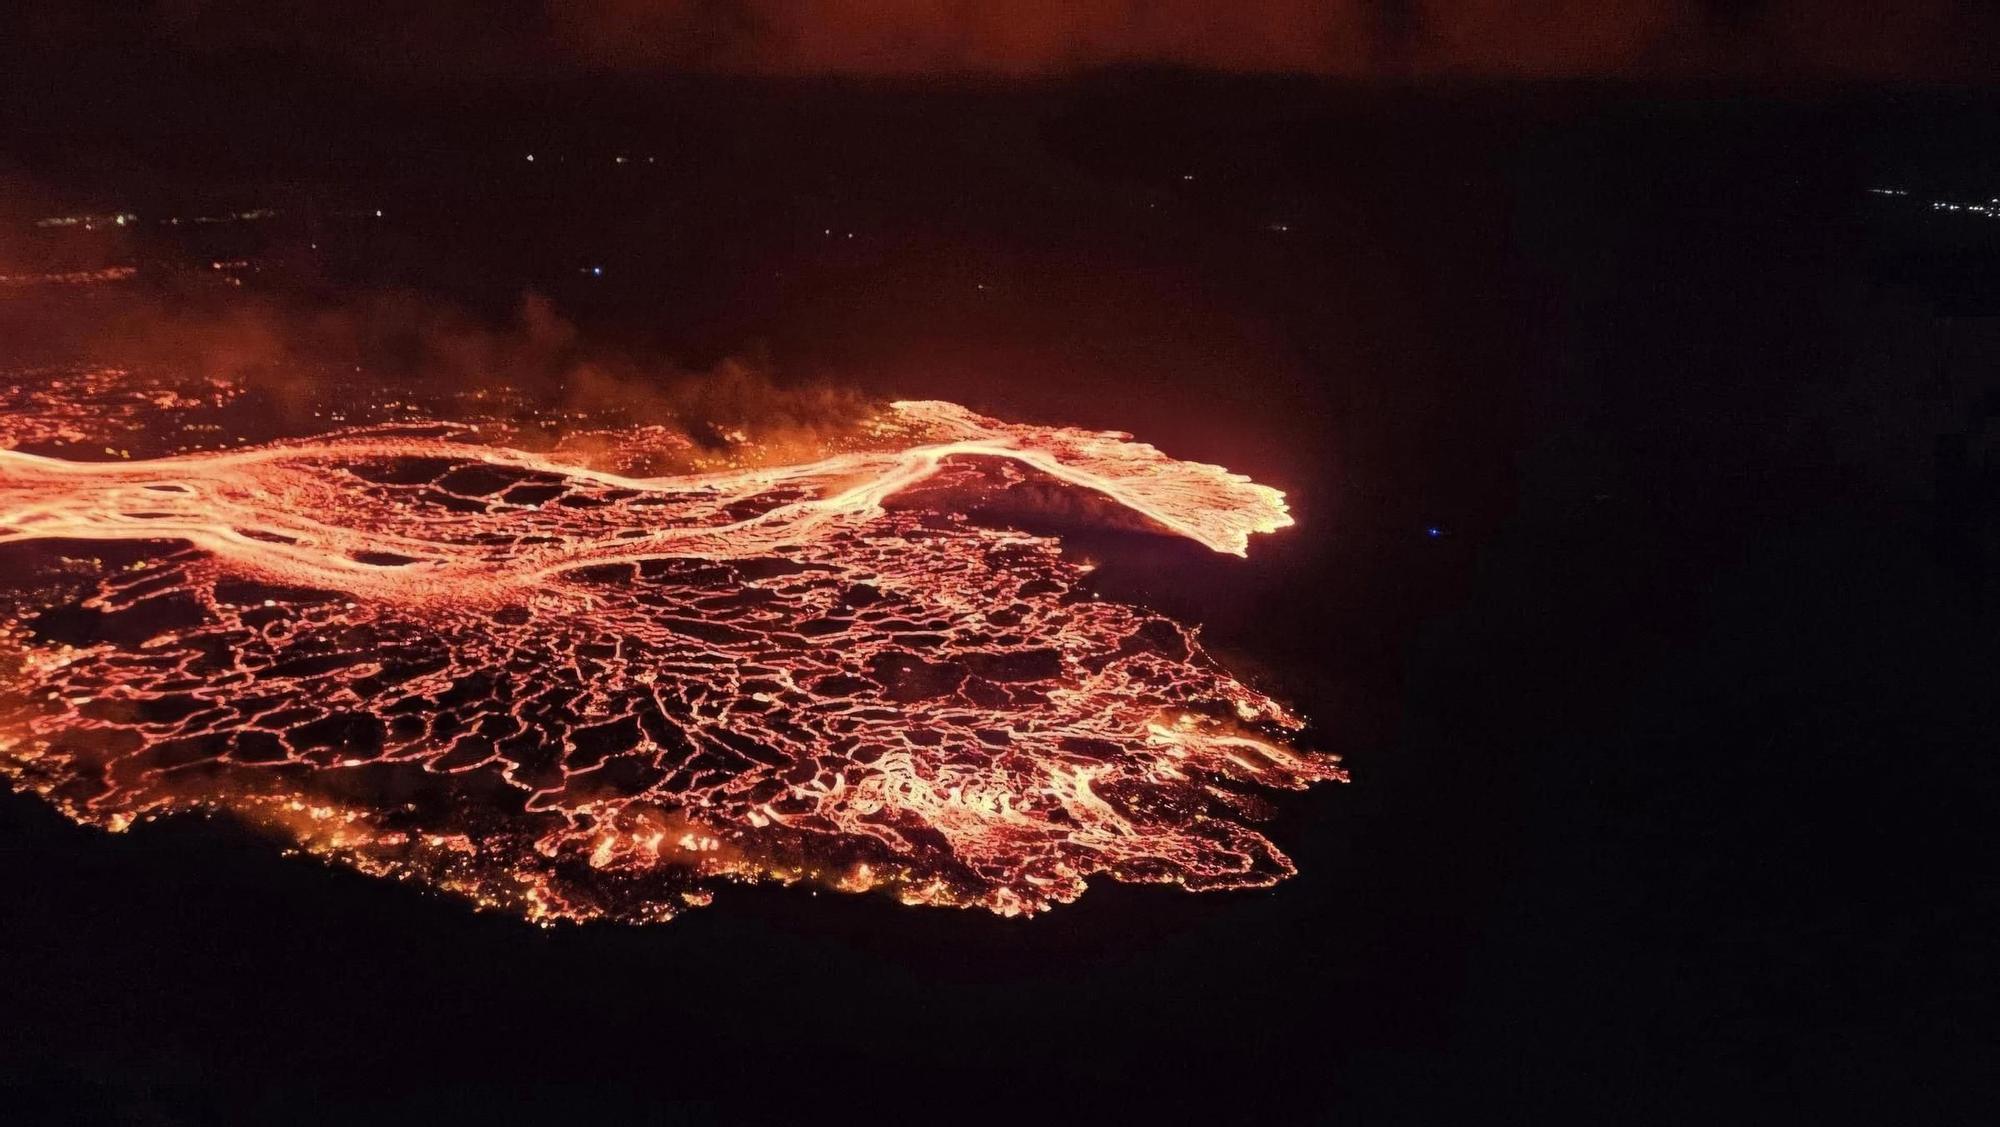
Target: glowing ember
x,y
578,694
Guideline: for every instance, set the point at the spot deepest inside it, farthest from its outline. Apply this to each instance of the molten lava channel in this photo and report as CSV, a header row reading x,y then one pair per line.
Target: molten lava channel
x,y
575,694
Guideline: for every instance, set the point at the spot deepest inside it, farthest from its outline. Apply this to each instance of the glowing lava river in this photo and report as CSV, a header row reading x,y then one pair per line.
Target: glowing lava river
x,y
412,648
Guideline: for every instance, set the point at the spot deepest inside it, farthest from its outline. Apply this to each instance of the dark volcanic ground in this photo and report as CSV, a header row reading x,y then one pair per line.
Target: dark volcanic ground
x,y
1667,743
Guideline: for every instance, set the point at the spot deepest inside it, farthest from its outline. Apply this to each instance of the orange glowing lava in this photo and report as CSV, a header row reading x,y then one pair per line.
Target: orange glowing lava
x,y
575,694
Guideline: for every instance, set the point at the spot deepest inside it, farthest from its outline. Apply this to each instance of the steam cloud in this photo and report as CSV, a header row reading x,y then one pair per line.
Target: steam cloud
x,y
285,348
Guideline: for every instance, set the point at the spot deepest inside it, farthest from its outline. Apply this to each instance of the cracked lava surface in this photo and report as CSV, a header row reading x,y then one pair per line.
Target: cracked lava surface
x,y
410,647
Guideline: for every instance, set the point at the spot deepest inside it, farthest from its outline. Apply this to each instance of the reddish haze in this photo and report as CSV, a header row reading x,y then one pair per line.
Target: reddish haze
x,y
1922,40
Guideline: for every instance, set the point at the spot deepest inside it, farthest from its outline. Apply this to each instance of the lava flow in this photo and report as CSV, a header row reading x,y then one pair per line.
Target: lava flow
x,y
575,694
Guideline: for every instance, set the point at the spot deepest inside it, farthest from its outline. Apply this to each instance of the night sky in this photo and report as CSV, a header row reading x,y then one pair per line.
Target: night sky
x,y
1632,369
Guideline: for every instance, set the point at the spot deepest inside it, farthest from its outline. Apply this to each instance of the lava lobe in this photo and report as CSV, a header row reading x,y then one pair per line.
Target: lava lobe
x,y
575,694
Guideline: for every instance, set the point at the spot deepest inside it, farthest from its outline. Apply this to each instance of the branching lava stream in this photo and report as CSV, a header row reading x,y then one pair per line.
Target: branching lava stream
x,y
572,693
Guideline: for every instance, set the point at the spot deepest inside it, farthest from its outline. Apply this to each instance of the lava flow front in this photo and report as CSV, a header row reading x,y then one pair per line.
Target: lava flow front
x,y
572,693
